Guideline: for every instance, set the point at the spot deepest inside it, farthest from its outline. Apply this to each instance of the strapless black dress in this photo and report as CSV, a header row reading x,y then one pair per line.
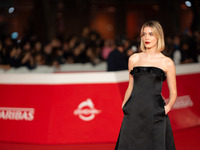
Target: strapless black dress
x,y
145,125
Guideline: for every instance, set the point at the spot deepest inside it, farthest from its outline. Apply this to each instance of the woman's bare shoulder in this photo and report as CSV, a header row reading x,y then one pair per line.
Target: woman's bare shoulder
x,y
168,62
134,57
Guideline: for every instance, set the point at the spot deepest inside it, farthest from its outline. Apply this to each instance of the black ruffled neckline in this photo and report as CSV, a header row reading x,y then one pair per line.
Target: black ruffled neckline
x,y
151,69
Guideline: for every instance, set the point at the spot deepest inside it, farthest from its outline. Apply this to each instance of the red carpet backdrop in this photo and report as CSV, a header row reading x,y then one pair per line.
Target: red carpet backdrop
x,y
82,107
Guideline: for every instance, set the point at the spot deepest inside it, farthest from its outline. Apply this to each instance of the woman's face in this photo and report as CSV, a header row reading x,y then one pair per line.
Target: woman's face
x,y
150,41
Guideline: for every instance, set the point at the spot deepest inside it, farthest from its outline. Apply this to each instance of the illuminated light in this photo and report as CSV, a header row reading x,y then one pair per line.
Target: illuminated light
x,y
14,35
188,3
18,41
11,10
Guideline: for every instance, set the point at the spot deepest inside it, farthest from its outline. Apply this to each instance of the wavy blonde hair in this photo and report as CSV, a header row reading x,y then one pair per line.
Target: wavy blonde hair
x,y
157,32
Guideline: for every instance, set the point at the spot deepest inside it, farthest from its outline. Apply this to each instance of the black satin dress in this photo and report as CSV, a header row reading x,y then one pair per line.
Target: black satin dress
x,y
145,125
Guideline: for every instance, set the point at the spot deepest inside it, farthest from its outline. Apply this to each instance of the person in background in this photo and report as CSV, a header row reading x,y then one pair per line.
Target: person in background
x,y
177,52
107,48
117,58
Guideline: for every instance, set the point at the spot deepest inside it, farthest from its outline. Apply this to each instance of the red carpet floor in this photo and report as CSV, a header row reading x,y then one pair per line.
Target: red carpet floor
x,y
188,139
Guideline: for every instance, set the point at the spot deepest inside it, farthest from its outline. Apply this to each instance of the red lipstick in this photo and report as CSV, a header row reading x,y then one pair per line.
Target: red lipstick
x,y
147,42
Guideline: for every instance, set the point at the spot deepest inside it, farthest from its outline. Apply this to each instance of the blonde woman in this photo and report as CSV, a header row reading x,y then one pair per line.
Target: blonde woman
x,y
145,124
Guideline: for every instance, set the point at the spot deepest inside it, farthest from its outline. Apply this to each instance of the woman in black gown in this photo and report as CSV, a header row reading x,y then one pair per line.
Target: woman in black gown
x,y
145,124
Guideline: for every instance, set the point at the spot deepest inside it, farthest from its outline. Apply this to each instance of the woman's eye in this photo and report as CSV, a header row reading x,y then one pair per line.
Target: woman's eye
x,y
143,34
151,34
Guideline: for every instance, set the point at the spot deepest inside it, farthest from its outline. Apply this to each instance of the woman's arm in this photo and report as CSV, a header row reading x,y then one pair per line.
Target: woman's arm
x,y
131,62
171,81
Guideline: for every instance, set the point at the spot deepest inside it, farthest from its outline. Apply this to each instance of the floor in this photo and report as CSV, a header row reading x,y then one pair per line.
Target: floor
x,y
187,139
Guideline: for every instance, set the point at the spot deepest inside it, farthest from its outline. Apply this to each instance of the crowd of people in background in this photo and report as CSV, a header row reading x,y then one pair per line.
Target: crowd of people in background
x,y
88,47
31,52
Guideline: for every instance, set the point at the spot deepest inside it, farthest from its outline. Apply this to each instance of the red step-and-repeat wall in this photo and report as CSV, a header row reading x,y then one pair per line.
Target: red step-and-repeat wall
x,y
80,107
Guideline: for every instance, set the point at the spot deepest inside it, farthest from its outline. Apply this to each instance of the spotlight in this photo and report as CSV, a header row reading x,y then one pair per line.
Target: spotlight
x,y
14,35
188,3
11,10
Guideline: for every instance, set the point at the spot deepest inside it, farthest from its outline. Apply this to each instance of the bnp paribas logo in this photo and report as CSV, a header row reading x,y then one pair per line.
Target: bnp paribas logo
x,y
15,113
86,110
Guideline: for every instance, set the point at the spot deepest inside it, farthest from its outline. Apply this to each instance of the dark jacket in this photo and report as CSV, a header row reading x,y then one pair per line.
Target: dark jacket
x,y
116,61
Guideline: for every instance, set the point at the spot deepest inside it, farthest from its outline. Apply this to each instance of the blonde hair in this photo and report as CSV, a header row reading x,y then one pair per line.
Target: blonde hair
x,y
157,32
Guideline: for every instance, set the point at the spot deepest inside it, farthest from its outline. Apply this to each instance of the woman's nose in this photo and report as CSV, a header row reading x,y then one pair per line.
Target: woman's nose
x,y
146,37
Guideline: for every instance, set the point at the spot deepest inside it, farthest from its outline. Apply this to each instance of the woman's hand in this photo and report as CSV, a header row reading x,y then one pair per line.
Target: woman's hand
x,y
122,106
167,109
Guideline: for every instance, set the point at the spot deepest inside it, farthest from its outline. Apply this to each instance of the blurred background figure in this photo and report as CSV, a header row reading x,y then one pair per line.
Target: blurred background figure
x,y
117,59
107,48
68,32
176,56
